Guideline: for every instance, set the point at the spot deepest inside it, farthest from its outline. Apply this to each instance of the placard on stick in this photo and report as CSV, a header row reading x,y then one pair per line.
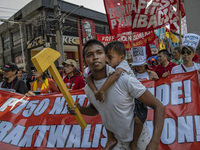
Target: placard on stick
x,y
45,60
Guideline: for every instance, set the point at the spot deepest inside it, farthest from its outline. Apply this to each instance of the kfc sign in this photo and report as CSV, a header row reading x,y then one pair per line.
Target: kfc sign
x,y
71,40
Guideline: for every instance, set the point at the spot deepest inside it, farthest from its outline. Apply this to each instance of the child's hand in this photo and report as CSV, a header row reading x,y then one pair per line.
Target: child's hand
x,y
99,96
30,93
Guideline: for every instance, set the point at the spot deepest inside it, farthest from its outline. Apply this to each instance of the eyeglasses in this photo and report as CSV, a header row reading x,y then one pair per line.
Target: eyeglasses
x,y
184,52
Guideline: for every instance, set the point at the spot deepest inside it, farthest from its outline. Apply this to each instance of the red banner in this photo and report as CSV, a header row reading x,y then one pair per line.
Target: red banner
x,y
42,122
104,38
139,15
139,38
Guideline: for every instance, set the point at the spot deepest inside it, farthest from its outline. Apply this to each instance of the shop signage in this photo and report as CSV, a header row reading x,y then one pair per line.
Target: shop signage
x,y
35,43
71,40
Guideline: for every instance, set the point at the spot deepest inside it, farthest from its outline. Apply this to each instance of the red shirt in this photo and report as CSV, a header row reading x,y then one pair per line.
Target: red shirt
x,y
78,82
152,68
196,58
160,69
50,89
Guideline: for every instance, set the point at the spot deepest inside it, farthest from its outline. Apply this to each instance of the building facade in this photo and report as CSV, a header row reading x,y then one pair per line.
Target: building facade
x,y
40,22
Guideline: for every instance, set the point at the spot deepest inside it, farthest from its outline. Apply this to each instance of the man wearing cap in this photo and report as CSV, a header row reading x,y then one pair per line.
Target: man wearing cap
x,y
143,73
188,65
73,79
12,81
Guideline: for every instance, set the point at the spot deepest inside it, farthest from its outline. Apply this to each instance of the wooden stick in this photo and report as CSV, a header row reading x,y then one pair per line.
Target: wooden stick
x,y
45,60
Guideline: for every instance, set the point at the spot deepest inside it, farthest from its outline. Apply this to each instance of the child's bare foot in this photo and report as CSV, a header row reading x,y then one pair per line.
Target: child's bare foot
x,y
110,144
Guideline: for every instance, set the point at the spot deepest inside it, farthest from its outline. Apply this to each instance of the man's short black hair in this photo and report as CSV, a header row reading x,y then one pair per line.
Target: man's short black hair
x,y
90,43
116,46
164,52
178,49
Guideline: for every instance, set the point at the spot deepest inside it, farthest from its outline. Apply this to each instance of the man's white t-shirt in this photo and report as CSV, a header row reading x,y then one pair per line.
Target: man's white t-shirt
x,y
117,110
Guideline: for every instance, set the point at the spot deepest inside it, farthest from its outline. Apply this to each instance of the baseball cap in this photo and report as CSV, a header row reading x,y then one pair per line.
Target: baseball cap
x,y
69,62
10,66
188,48
140,64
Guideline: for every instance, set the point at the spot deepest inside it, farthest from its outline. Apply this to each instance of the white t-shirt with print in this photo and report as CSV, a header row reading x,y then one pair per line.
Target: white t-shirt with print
x,y
142,76
179,69
117,110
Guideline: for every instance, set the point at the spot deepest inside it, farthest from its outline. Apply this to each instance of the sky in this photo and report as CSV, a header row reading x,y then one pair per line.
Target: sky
x,y
10,7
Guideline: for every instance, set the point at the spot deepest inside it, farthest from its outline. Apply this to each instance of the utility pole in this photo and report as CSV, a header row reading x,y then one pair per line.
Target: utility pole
x,y
22,46
59,38
21,38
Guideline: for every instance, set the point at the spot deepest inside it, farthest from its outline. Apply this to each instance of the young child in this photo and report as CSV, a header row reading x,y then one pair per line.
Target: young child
x,y
116,52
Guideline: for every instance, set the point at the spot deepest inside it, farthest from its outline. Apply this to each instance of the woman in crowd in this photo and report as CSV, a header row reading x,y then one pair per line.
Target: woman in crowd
x,y
73,79
143,73
43,84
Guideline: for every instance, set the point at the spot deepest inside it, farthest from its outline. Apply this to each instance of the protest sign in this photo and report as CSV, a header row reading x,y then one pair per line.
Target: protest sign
x,y
139,15
139,38
191,39
43,123
138,55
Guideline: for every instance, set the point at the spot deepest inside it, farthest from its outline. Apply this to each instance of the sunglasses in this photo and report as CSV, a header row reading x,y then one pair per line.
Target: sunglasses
x,y
186,52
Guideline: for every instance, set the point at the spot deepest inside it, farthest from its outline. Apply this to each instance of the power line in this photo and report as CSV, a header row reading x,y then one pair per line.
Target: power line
x,y
4,17
8,8
6,11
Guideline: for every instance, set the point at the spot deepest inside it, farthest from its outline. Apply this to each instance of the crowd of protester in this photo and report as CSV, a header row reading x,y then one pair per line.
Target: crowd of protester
x,y
184,60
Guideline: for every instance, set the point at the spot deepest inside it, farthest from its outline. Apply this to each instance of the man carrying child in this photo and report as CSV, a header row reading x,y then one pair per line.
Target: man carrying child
x,y
117,109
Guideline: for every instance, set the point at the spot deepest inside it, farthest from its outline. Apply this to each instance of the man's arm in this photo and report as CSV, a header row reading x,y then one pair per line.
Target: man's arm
x,y
90,110
159,115
91,84
111,79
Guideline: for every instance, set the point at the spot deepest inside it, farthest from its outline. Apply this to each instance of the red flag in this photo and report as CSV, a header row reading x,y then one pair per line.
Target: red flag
x,y
175,26
148,50
156,42
181,8
139,15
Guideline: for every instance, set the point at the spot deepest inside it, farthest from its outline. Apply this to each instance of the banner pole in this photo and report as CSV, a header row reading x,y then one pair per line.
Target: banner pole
x,y
131,39
180,41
